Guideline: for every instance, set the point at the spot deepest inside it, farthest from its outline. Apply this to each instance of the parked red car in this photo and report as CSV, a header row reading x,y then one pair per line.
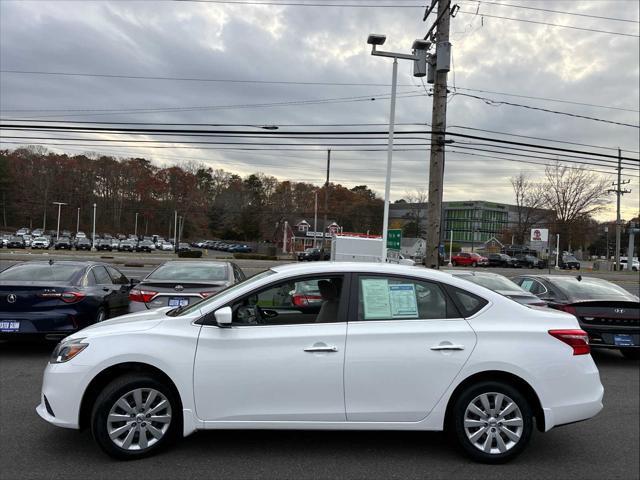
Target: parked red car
x,y
469,259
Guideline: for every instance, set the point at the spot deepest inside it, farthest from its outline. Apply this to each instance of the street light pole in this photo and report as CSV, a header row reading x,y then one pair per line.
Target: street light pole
x,y
58,228
315,221
93,236
78,222
135,228
419,58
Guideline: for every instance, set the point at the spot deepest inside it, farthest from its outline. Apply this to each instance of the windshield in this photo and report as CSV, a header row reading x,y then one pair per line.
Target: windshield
x,y
237,286
41,272
493,283
570,258
190,271
591,289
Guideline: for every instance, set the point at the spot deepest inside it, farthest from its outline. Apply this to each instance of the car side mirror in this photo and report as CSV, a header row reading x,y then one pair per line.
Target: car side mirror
x,y
134,281
224,317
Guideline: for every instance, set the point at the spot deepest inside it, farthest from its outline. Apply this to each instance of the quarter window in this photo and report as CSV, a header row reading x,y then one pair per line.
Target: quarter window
x,y
533,286
118,278
468,303
397,298
101,275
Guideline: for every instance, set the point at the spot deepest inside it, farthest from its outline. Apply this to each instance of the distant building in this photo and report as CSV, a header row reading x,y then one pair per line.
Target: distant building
x,y
474,223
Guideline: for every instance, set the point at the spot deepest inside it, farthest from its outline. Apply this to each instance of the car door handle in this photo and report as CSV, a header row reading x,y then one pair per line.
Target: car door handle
x,y
321,348
448,347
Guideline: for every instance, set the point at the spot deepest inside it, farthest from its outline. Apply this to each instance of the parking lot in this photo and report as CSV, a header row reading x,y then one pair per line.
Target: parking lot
x,y
604,447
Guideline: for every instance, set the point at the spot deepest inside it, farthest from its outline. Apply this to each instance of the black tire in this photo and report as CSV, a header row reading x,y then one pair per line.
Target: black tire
x,y
458,418
110,395
631,354
101,315
474,264
453,263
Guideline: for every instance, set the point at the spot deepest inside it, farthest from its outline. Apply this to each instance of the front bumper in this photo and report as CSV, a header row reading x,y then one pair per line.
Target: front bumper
x,y
63,385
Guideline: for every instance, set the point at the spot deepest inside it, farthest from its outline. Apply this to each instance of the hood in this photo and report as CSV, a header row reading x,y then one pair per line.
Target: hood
x,y
133,322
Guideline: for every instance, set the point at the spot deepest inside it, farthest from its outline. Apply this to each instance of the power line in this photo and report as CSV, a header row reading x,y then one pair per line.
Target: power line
x,y
289,82
492,102
551,24
279,125
276,134
616,19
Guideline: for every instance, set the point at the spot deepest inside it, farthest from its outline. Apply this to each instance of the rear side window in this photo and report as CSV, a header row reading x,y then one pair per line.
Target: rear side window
x,y
118,278
397,298
468,303
102,277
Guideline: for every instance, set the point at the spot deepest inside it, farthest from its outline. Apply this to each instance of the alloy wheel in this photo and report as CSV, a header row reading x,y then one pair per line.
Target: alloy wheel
x,y
493,423
139,419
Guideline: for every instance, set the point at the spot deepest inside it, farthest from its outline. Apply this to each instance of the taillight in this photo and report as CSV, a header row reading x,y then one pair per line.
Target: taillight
x,y
568,309
576,339
207,294
67,297
139,295
72,297
300,300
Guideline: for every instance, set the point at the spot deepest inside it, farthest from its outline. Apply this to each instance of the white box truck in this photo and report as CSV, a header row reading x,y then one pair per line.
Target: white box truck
x,y
361,249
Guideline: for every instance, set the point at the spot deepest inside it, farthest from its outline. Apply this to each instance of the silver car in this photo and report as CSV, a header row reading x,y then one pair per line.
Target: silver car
x,y
182,283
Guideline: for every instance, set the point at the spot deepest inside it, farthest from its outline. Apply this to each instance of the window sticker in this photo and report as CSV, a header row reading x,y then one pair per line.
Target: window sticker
x,y
375,296
403,301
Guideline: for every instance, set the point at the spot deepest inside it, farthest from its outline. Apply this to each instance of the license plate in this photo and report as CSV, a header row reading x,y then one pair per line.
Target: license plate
x,y
623,340
178,302
9,326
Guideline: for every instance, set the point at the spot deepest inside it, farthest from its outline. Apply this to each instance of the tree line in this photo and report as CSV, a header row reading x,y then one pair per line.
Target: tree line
x,y
211,202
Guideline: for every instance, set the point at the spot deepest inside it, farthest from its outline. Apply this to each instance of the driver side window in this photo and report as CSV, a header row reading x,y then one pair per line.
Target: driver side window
x,y
292,302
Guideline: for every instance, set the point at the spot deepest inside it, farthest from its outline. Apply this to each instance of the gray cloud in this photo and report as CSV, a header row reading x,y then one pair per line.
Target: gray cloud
x,y
325,44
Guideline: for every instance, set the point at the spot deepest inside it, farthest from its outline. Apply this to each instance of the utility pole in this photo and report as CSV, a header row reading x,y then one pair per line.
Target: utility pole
x,y
78,222
326,200
175,231
438,128
619,192
93,236
135,228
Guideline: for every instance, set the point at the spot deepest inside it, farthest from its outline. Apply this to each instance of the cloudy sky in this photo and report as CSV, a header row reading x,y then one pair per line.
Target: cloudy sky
x,y
317,47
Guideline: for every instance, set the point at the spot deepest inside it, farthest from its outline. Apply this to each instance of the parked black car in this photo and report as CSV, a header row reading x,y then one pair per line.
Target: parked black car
x,y
502,260
54,299
145,246
83,244
313,254
501,285
529,261
62,243
607,312
567,262
16,241
184,247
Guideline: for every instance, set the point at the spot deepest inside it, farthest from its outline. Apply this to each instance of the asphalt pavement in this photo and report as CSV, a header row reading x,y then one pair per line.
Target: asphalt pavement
x,y
605,447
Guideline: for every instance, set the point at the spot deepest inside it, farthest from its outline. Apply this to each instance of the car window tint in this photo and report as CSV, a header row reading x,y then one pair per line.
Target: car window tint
x,y
311,300
41,272
118,277
102,277
396,298
469,303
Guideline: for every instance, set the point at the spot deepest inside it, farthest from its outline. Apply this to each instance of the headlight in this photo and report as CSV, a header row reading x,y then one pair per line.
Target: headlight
x,y
66,350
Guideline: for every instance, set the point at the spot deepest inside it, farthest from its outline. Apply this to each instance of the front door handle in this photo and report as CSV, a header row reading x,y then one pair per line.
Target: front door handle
x,y
448,347
321,348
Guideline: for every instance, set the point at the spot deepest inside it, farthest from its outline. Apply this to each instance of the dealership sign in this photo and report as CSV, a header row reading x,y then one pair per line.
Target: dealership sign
x,y
539,234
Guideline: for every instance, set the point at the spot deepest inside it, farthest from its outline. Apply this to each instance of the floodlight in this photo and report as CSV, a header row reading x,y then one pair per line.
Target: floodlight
x,y
376,39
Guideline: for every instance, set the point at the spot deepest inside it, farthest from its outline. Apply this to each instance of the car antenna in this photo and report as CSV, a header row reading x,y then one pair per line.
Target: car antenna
x,y
579,278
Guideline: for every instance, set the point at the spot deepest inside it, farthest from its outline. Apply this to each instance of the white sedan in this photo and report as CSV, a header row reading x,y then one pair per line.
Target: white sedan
x,y
369,347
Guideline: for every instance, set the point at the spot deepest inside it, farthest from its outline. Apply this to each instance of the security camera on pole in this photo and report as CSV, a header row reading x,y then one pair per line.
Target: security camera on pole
x,y
419,57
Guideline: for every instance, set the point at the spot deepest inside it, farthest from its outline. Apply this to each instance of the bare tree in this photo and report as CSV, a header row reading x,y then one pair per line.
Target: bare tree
x,y
574,194
529,203
417,206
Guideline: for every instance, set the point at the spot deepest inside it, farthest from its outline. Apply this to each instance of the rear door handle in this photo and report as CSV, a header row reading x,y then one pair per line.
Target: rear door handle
x,y
321,348
448,347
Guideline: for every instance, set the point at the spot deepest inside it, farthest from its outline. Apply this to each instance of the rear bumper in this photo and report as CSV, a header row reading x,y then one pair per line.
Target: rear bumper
x,y
60,323
605,337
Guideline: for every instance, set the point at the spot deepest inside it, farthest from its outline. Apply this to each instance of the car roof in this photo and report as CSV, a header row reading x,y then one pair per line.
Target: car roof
x,y
76,263
212,263
365,267
471,273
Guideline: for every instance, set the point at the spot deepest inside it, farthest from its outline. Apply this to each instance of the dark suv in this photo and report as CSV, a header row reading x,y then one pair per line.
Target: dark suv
x,y
502,260
83,244
567,262
529,261
63,243
312,254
